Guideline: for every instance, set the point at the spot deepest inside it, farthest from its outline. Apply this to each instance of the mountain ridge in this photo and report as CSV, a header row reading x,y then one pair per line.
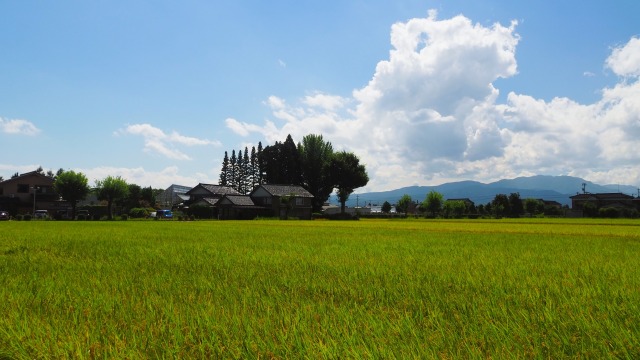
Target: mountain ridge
x,y
547,187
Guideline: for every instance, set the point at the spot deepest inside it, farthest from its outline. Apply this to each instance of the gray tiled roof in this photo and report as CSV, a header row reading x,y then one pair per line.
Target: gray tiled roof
x,y
284,190
219,189
240,200
210,201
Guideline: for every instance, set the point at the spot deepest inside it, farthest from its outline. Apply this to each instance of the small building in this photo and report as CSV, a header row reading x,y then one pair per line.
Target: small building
x,y
284,200
614,200
208,196
29,192
172,196
239,207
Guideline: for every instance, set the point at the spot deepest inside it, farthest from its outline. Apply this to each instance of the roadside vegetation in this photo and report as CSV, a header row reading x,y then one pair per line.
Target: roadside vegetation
x,y
510,288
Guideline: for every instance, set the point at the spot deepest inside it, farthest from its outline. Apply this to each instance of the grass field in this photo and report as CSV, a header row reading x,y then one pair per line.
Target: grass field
x,y
320,289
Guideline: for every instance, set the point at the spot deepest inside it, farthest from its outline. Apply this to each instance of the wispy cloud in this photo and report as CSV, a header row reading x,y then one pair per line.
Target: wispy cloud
x,y
158,142
18,126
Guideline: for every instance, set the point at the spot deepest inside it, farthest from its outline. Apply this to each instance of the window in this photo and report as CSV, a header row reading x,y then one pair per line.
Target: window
x,y
23,188
300,202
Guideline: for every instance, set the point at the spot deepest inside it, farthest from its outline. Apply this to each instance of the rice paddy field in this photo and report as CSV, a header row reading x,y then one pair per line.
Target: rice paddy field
x,y
393,289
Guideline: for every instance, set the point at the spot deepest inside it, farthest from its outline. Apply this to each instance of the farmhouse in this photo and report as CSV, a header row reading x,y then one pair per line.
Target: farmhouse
x,y
613,200
268,200
29,192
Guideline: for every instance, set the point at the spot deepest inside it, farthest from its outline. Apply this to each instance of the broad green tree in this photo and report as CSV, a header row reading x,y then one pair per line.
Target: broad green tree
x,y
500,205
533,206
403,204
386,207
111,189
71,186
433,203
454,208
347,174
133,198
515,205
315,157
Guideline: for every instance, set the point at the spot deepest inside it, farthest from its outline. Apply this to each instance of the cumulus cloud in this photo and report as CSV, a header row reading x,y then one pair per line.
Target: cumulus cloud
x,y
430,113
18,126
158,142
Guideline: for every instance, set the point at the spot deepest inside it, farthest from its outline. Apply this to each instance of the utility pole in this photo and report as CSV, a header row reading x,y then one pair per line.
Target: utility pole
x,y
35,189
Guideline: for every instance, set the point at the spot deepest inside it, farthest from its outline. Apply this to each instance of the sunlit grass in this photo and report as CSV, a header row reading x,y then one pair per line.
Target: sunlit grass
x,y
321,289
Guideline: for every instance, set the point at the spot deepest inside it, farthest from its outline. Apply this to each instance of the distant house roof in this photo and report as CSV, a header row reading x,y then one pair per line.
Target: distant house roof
x,y
31,173
550,202
465,200
284,190
602,196
215,189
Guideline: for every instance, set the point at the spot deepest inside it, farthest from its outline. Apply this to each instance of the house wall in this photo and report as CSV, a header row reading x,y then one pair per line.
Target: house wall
x,y
18,194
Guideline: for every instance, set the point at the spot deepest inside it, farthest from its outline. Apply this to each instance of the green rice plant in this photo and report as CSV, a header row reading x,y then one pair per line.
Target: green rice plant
x,y
516,288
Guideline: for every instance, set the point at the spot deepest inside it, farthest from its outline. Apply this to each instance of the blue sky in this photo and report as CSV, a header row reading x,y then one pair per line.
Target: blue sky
x,y
423,91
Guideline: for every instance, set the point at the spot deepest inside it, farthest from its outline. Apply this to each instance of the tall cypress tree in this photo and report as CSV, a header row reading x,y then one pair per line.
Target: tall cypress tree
x,y
239,173
292,172
260,168
231,179
224,172
246,172
253,166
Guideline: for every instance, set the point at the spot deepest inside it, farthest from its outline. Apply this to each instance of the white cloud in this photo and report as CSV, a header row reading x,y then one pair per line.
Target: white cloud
x,y
430,113
140,176
18,126
158,142
325,101
625,60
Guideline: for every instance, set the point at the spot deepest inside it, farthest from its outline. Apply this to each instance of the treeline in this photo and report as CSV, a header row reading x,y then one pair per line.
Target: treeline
x,y
312,164
502,205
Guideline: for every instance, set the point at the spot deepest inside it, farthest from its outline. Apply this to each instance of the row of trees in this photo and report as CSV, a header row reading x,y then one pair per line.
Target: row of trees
x,y
312,164
74,186
501,206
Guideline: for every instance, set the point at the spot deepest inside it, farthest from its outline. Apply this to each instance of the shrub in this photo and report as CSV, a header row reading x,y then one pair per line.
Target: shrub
x,y
19,217
343,216
608,212
138,213
26,217
124,217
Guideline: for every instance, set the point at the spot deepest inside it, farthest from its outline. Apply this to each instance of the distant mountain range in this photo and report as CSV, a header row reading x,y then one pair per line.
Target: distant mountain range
x,y
557,188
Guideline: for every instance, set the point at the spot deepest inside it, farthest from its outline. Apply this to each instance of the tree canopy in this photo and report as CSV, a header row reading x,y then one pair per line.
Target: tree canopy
x,y
111,189
347,174
72,187
433,203
403,204
315,157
